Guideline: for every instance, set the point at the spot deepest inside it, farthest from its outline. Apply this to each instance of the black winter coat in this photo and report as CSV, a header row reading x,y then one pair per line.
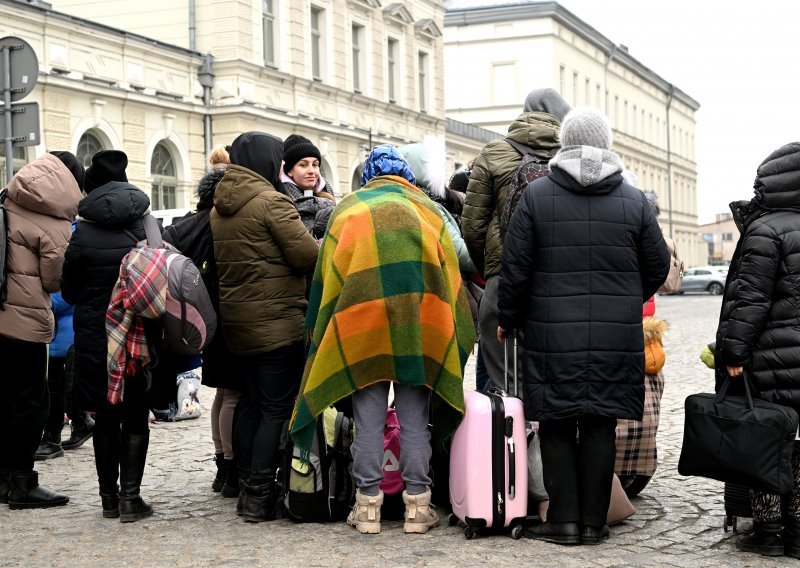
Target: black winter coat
x,y
91,269
759,324
192,236
577,264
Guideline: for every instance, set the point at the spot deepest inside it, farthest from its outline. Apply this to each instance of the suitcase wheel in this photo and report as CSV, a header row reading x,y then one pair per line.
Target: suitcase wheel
x,y
729,521
517,532
452,520
470,533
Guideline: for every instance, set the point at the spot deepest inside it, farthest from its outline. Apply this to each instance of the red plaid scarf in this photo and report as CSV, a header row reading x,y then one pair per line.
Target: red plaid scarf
x,y
140,292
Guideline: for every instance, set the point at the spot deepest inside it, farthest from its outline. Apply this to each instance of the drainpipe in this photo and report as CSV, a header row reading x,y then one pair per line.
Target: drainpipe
x,y
192,25
609,57
670,95
206,78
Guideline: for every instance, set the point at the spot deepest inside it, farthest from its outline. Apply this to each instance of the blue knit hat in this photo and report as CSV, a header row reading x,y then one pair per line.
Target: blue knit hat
x,y
386,160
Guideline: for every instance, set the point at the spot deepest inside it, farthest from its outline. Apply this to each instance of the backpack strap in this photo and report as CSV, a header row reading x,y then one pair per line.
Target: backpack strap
x,y
152,231
521,148
528,151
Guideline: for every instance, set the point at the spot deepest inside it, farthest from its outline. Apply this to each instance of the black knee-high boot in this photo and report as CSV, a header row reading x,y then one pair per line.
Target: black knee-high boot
x,y
106,461
131,470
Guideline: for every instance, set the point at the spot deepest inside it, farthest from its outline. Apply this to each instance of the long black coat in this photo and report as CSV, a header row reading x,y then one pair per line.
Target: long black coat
x,y
91,269
760,317
577,264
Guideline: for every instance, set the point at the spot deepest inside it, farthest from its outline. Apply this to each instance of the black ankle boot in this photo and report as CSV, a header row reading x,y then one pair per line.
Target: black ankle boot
x,y
260,498
50,447
222,473
26,493
81,431
559,533
131,470
791,538
5,486
106,461
231,486
765,540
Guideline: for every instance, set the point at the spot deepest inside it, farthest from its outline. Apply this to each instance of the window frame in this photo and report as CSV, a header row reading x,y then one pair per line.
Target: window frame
x,y
163,186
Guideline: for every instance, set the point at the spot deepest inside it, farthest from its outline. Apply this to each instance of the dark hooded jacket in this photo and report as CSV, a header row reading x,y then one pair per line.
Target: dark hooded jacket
x,y
262,250
192,236
91,268
759,325
537,128
578,262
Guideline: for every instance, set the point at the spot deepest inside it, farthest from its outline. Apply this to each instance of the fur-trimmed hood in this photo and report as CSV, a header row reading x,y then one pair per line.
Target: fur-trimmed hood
x,y
654,329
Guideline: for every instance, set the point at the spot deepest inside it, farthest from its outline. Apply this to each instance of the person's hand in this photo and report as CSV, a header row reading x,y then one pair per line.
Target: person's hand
x,y
735,371
501,334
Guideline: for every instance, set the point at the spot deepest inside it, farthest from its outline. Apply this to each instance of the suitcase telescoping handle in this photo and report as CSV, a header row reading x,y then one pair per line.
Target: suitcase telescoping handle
x,y
505,364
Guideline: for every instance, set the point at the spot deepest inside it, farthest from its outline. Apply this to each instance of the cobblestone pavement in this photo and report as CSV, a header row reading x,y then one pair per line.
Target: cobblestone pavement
x,y
678,522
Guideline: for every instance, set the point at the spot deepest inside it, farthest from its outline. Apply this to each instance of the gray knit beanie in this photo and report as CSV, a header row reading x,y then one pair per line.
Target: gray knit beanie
x,y
586,126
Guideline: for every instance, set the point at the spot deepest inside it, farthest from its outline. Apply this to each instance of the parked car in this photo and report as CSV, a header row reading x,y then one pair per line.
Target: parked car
x,y
169,216
709,279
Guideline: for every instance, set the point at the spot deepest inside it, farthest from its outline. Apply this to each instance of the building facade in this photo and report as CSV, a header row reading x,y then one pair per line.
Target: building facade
x,y
720,238
166,80
497,51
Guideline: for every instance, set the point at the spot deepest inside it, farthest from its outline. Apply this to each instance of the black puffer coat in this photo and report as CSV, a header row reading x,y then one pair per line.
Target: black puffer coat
x,y
760,318
577,264
192,236
91,269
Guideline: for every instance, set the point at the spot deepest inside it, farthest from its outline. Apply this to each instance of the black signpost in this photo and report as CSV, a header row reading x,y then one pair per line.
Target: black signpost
x,y
19,70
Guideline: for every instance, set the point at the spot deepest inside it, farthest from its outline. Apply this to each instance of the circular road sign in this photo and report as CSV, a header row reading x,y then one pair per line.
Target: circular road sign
x,y
23,64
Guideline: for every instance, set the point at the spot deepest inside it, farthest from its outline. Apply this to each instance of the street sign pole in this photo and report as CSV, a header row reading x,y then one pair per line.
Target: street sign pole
x,y
7,112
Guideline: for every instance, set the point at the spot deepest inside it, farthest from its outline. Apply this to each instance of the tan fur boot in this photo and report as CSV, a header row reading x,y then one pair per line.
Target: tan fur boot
x,y
420,517
366,513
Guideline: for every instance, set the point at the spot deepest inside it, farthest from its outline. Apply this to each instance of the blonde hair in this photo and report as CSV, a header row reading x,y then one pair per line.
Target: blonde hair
x,y
219,158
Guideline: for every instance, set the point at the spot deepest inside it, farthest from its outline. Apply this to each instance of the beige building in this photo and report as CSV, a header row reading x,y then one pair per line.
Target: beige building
x,y
720,237
165,80
497,51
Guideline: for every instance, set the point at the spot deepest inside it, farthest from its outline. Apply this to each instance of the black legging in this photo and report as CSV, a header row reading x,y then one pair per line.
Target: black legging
x,y
270,384
130,415
578,465
24,402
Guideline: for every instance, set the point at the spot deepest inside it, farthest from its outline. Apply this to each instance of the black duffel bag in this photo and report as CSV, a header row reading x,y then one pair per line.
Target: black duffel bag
x,y
739,440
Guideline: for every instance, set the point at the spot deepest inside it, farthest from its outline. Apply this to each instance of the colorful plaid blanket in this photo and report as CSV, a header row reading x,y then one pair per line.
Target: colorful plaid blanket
x,y
386,304
140,291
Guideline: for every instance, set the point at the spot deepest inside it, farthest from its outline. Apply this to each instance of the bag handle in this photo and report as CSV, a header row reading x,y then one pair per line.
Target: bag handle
x,y
152,231
749,387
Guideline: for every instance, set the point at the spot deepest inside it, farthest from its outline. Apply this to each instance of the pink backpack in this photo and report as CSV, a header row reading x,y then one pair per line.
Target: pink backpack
x,y
392,483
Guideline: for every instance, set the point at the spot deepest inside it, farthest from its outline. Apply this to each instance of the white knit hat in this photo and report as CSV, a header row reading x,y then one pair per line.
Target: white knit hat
x,y
586,126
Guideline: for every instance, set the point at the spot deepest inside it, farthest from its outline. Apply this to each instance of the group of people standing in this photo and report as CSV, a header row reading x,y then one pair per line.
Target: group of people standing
x,y
320,301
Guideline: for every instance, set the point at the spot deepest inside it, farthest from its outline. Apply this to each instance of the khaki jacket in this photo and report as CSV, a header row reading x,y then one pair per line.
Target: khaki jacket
x,y
42,201
486,192
262,251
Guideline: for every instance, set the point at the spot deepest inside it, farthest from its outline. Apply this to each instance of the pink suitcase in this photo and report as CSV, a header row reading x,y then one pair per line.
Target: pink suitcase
x,y
489,463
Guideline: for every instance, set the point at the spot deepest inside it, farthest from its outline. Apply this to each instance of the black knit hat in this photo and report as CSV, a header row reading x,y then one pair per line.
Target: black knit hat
x,y
295,148
73,165
107,165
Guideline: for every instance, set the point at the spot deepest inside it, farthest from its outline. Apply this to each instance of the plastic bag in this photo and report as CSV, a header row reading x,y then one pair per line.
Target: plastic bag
x,y
188,399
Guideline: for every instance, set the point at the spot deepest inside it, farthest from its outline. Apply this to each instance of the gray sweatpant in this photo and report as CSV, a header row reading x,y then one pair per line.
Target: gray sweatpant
x,y
369,409
491,349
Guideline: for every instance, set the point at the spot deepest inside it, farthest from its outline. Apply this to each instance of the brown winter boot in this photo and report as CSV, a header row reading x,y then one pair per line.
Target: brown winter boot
x,y
419,517
366,513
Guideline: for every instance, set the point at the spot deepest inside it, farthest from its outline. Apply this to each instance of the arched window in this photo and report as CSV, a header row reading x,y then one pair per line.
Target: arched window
x,y
20,158
355,183
88,145
165,179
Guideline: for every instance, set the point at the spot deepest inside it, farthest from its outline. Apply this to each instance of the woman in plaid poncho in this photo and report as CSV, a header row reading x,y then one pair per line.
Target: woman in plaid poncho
x,y
387,306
